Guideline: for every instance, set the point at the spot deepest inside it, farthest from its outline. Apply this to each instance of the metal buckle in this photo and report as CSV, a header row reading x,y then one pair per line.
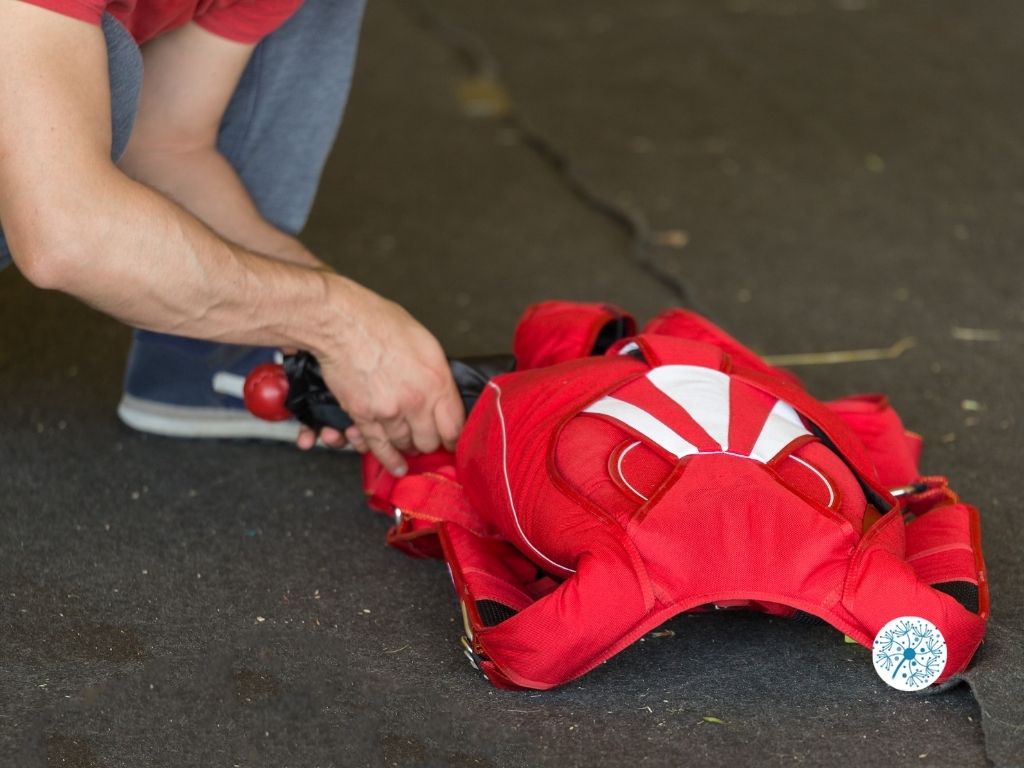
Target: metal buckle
x,y
473,656
909,490
475,660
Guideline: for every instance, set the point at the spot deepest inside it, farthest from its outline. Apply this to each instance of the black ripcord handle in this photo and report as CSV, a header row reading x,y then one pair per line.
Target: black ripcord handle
x,y
296,389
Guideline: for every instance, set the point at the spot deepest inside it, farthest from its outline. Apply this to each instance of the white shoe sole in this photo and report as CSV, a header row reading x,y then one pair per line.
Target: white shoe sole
x,y
185,421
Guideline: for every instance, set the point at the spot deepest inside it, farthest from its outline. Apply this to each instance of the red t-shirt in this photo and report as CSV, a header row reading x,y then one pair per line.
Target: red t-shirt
x,y
245,21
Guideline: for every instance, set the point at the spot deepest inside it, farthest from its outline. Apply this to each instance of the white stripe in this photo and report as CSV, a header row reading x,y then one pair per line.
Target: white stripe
x,y
831,492
508,485
788,412
644,423
782,427
701,392
622,477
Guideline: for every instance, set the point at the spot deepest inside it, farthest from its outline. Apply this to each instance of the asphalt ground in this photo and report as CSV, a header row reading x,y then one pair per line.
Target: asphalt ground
x,y
822,175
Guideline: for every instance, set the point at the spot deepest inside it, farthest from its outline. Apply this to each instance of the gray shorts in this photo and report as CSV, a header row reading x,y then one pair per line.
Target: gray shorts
x,y
284,115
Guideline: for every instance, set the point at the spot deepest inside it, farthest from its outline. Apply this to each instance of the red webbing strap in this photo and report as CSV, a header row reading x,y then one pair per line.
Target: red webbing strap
x,y
843,439
428,494
485,570
437,499
664,350
881,585
416,538
667,350
894,451
555,331
941,545
378,482
683,324
944,544
563,634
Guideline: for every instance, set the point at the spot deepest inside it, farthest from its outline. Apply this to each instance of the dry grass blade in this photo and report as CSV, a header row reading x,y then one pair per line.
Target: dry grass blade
x,y
843,356
976,334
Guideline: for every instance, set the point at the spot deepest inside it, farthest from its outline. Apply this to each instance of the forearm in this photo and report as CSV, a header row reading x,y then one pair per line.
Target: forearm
x,y
203,182
134,254
76,223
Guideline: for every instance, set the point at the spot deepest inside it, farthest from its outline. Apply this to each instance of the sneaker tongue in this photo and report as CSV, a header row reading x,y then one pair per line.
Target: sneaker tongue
x,y
229,384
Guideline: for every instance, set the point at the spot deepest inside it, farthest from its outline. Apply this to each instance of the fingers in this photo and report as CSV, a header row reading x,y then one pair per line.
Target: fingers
x,y
378,443
355,439
388,440
390,375
449,416
329,436
306,438
419,430
398,433
423,431
425,437
332,438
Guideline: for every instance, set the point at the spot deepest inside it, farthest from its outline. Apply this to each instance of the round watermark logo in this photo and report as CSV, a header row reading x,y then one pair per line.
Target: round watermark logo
x,y
909,653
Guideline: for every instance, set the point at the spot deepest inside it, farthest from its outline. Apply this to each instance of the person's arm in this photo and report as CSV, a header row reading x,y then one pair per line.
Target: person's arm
x,y
75,223
191,75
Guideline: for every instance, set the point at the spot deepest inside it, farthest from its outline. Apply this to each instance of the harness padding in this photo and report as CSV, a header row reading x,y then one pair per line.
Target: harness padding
x,y
593,496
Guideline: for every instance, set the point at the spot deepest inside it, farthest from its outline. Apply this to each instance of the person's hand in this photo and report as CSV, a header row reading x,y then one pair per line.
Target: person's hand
x,y
390,375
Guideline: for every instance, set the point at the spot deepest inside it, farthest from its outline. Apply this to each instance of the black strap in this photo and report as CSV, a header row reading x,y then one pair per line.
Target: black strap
x,y
314,405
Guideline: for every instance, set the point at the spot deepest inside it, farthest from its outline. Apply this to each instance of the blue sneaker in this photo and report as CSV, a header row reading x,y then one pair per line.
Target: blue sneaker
x,y
186,388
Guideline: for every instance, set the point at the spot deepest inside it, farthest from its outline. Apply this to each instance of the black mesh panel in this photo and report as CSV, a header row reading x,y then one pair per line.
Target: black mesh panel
x,y
963,592
802,617
492,612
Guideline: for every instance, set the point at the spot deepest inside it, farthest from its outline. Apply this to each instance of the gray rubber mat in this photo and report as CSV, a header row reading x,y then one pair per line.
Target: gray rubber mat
x,y
825,175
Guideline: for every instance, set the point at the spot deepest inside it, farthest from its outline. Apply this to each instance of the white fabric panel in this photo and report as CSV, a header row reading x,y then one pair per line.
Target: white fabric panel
x,y
644,423
701,392
788,412
782,426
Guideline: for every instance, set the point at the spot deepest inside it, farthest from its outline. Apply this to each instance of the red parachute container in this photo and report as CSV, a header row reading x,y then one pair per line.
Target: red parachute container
x,y
593,497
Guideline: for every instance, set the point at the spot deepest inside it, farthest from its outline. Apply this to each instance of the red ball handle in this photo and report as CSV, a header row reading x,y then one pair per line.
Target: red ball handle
x,y
265,392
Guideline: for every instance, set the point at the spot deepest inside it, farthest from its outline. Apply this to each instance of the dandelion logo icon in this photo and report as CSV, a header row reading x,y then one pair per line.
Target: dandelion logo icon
x,y
909,653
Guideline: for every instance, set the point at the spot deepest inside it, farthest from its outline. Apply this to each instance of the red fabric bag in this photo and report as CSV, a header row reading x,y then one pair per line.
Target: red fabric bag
x,y
593,497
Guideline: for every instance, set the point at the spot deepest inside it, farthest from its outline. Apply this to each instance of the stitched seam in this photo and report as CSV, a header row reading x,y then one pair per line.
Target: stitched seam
x,y
508,484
